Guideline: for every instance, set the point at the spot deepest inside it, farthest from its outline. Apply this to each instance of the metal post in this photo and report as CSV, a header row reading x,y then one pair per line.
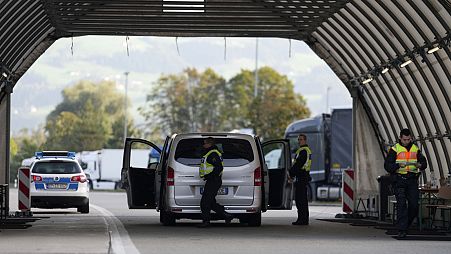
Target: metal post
x,y
125,104
5,98
327,99
256,68
355,107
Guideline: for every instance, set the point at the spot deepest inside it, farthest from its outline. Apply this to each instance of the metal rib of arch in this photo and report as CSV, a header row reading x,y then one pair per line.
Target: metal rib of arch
x,y
366,35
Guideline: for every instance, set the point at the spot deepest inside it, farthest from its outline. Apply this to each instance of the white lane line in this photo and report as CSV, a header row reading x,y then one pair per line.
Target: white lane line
x,y
120,241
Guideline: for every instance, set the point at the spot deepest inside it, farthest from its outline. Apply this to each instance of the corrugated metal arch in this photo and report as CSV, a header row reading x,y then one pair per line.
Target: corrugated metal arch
x,y
364,42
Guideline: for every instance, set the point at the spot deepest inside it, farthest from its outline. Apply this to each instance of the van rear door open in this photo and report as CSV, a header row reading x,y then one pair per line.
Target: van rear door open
x,y
278,190
138,178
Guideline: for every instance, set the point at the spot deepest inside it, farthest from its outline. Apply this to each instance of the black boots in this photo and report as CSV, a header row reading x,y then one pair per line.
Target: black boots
x,y
205,224
402,234
299,223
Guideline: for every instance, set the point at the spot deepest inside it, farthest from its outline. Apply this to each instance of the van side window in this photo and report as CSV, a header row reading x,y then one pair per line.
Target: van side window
x,y
274,156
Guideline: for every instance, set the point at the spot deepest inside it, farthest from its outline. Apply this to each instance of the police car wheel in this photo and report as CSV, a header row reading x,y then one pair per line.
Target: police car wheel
x,y
83,209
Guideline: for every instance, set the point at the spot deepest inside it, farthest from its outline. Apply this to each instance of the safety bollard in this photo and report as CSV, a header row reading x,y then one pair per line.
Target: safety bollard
x,y
24,192
348,190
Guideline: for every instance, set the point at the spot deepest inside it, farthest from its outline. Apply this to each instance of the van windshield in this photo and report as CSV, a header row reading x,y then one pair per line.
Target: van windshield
x,y
235,152
56,167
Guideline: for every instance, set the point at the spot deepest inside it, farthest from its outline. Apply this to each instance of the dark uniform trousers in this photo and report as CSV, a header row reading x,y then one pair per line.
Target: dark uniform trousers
x,y
208,201
407,194
301,201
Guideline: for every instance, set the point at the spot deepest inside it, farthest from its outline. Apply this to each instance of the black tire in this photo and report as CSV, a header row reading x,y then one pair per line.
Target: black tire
x,y
243,220
166,218
83,209
255,220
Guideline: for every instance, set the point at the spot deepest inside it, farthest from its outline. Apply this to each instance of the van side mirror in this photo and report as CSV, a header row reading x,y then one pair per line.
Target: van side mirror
x,y
153,165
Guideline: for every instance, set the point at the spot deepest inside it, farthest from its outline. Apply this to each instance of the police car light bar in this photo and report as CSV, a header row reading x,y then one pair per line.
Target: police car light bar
x,y
40,155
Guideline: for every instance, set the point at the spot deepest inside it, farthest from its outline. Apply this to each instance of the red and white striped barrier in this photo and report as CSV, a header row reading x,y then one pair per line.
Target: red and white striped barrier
x,y
348,190
24,189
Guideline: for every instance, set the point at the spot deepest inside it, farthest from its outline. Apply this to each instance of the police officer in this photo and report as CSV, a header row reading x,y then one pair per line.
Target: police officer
x,y
301,171
405,161
210,170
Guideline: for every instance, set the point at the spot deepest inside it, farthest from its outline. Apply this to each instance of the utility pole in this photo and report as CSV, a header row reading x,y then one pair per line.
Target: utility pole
x,y
256,68
125,105
256,80
327,99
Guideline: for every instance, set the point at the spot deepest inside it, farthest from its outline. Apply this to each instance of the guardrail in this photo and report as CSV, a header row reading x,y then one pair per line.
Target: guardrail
x,y
3,202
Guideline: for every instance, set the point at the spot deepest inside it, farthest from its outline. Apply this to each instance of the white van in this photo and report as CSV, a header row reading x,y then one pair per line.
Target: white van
x,y
173,186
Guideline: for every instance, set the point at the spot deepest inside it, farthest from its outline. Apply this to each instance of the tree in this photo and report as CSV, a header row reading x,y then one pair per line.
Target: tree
x,y
276,104
90,117
209,95
193,101
185,102
13,148
27,143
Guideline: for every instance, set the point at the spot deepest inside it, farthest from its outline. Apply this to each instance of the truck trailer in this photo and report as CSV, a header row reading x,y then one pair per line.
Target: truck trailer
x,y
330,139
104,166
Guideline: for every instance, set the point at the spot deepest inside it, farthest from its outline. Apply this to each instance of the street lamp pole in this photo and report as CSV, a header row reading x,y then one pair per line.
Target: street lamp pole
x,y
327,99
256,68
125,104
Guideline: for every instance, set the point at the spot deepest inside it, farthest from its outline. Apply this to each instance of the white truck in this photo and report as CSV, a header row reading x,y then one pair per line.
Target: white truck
x,y
104,166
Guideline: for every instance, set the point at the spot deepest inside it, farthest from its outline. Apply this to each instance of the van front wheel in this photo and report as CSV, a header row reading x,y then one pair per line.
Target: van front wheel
x,y
255,220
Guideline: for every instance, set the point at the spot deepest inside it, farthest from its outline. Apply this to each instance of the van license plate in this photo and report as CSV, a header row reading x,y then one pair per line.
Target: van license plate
x,y
56,186
221,191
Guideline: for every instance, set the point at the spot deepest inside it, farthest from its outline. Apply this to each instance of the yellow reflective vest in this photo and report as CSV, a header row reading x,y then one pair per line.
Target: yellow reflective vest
x,y
308,163
410,158
206,168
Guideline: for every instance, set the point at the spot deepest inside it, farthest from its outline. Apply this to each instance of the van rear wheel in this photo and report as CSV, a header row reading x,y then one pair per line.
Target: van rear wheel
x,y
255,220
166,218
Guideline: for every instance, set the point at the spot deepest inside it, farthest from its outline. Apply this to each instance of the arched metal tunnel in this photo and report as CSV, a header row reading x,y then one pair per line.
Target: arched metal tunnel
x,y
392,55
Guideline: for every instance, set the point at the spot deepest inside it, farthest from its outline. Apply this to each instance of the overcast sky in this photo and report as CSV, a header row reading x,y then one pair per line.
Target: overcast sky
x,y
105,58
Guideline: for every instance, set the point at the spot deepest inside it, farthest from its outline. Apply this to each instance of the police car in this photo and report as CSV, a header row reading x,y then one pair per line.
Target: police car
x,y
58,181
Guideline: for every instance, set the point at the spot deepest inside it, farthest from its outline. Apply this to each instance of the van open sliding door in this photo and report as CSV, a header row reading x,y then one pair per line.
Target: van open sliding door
x,y
138,174
278,189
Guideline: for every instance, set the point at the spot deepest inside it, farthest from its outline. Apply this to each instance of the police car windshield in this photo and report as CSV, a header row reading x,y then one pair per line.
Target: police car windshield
x,y
235,152
56,167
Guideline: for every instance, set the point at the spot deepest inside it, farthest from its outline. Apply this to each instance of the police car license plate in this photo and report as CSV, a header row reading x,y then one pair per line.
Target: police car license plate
x,y
56,186
221,191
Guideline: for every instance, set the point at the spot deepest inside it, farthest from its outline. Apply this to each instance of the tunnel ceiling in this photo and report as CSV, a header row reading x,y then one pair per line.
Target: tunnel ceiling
x,y
394,55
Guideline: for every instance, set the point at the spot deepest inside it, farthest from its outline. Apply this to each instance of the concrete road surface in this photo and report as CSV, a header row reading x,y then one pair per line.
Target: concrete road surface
x,y
111,227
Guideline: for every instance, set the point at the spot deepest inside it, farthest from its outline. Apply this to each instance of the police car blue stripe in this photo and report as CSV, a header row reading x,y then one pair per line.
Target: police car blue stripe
x,y
73,186
39,186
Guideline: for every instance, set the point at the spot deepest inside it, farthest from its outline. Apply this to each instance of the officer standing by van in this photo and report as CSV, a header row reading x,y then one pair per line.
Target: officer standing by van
x,y
405,162
301,172
210,170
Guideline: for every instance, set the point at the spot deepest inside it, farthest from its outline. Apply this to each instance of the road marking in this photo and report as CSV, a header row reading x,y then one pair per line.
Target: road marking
x,y
120,242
